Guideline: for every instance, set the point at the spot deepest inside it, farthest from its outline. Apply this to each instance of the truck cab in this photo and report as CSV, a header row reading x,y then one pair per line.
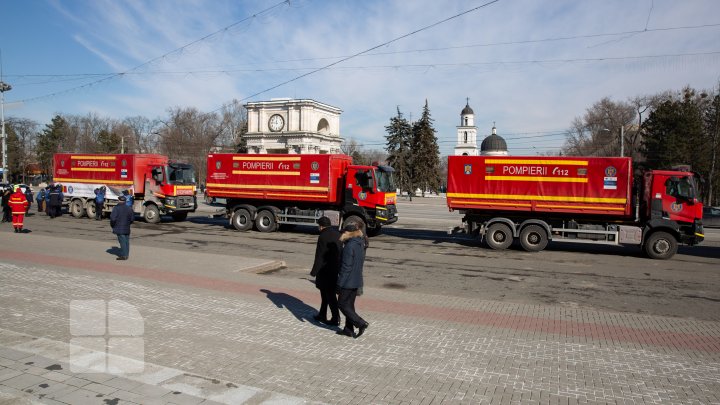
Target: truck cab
x,y
370,194
174,186
670,204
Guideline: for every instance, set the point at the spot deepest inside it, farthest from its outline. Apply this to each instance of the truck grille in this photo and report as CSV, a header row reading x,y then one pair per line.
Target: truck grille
x,y
184,202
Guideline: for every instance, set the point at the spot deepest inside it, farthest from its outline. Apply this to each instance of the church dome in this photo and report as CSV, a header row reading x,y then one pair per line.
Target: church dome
x,y
467,110
493,144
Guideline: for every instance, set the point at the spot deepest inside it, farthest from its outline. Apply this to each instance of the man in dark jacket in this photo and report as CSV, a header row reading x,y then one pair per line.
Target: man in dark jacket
x,y
40,199
99,202
55,201
120,219
6,214
325,270
350,279
29,198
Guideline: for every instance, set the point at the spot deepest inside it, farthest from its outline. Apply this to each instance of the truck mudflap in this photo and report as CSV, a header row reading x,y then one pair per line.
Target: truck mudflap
x,y
386,214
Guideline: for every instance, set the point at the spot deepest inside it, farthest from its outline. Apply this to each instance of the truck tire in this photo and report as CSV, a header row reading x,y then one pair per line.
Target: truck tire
x,y
661,245
76,208
242,220
265,221
499,236
179,216
152,214
90,209
533,238
374,231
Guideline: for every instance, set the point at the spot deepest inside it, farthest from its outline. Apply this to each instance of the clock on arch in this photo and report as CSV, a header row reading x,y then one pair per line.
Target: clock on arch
x,y
276,123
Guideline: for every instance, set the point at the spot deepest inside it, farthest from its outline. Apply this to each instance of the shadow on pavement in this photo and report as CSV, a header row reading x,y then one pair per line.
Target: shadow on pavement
x,y
115,251
300,310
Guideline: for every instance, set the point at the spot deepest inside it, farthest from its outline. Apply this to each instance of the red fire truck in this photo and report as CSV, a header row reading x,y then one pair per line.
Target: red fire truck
x,y
157,185
270,190
574,199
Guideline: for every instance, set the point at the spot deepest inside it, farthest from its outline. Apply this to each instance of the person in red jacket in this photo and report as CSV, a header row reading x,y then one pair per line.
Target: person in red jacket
x,y
18,205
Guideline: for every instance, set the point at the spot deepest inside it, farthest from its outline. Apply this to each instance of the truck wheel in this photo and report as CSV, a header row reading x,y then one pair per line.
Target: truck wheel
x,y
152,214
661,245
179,216
76,208
374,231
90,209
265,221
499,236
533,238
242,220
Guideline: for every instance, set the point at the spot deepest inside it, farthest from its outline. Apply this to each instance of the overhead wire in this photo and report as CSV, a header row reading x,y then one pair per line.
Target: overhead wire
x,y
165,55
395,66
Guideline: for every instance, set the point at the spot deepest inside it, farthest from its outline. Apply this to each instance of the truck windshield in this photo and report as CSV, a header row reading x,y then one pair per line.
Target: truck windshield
x,y
683,187
385,181
180,174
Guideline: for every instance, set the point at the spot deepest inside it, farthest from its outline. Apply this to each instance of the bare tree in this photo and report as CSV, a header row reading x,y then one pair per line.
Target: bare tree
x,y
598,132
23,149
234,120
189,135
144,133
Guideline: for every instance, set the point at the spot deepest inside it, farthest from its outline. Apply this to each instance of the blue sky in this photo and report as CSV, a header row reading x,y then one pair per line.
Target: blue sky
x,y
506,57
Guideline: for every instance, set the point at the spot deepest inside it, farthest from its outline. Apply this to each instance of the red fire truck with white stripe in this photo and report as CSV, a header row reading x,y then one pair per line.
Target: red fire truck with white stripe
x,y
157,185
266,191
574,199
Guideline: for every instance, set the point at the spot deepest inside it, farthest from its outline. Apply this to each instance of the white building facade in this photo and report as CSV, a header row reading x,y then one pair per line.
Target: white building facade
x,y
466,133
293,126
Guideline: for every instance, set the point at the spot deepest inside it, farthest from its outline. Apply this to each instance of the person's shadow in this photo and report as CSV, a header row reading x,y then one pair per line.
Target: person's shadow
x,y
300,310
115,251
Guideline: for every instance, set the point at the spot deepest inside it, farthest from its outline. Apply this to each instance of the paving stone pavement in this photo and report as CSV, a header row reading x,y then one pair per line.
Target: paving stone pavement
x,y
229,336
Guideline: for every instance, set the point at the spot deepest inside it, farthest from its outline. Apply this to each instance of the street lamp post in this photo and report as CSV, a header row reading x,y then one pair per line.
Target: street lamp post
x,y
622,139
3,88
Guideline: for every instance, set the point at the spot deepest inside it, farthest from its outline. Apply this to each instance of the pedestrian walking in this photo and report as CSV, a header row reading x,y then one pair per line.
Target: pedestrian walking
x,y
120,219
99,202
350,279
6,215
29,198
40,200
18,203
325,270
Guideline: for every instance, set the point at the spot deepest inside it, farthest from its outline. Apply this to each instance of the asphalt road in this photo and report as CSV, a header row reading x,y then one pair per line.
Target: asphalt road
x,y
417,254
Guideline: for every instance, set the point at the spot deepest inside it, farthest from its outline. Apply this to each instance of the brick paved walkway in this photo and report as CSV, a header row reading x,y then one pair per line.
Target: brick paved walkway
x,y
253,336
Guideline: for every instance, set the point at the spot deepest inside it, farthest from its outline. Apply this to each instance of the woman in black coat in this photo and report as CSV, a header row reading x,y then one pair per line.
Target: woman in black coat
x,y
325,270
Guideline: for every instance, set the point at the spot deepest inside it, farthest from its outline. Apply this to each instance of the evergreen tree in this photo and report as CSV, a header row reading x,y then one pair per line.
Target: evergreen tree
x,y
712,130
399,141
108,142
426,154
49,142
14,151
672,135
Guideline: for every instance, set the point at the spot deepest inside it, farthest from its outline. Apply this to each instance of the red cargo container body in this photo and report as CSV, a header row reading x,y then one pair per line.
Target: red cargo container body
x,y
574,199
157,186
127,171
303,178
266,191
588,186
